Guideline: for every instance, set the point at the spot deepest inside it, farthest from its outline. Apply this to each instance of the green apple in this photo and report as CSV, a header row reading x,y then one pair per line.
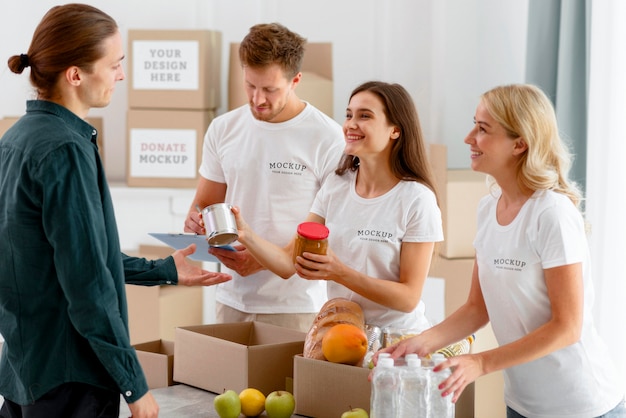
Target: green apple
x,y
280,404
227,404
355,413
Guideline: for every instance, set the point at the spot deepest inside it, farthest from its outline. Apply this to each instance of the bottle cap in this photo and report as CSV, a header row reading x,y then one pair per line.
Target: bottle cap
x,y
313,230
438,358
413,362
409,356
385,362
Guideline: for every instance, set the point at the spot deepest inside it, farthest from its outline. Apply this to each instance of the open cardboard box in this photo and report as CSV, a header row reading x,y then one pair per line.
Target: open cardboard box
x,y
157,361
324,389
236,356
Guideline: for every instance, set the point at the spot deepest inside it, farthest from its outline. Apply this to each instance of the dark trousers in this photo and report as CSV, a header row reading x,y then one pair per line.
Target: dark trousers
x,y
70,400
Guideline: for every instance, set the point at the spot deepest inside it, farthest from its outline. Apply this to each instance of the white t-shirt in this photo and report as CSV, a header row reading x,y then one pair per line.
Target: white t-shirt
x,y
272,172
367,234
577,381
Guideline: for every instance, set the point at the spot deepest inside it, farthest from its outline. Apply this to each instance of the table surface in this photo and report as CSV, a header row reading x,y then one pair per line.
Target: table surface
x,y
177,401
182,401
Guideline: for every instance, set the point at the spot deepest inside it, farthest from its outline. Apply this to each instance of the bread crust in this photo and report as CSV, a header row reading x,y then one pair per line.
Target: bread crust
x,y
335,311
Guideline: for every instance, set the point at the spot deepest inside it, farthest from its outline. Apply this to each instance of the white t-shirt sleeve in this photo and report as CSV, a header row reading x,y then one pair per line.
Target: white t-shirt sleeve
x,y
560,236
425,224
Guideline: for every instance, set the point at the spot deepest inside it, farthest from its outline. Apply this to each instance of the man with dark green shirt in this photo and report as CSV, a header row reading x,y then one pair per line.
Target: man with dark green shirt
x,y
63,311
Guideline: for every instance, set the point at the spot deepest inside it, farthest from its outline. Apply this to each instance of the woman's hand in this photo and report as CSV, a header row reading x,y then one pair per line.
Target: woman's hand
x,y
465,369
311,266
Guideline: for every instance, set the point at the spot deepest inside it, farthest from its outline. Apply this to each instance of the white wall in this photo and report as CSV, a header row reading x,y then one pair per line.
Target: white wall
x,y
445,52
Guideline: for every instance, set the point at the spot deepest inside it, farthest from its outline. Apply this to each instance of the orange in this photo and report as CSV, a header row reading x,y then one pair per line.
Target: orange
x,y
344,343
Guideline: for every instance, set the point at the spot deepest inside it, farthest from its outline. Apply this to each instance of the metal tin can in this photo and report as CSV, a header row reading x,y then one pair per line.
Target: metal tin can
x,y
312,238
220,224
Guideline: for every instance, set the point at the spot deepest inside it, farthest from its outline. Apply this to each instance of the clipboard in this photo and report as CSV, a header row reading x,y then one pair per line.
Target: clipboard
x,y
179,241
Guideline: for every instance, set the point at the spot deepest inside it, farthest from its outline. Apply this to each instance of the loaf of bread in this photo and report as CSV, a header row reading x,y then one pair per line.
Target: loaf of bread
x,y
335,311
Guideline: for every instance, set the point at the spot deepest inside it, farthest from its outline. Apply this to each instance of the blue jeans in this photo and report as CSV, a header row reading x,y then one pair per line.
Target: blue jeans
x,y
618,412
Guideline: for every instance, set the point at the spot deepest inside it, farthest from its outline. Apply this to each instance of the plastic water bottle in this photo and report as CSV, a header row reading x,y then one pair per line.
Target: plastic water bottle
x,y
414,390
440,406
385,389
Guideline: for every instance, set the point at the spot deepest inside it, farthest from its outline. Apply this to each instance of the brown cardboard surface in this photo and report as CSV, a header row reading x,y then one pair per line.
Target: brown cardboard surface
x,y
206,96
6,123
457,275
157,361
316,86
236,356
459,193
143,313
324,389
464,189
154,312
168,121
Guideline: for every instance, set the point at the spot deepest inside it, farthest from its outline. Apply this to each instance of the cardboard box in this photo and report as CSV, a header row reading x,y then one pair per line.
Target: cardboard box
x,y
174,69
459,193
165,147
457,275
324,389
6,123
464,189
157,361
316,86
154,312
236,356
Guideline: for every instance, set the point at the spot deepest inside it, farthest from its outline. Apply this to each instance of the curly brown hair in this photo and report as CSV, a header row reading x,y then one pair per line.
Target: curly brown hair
x,y
272,43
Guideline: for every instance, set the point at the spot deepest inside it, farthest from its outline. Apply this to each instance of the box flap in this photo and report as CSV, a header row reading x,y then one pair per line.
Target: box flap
x,y
325,389
267,334
207,362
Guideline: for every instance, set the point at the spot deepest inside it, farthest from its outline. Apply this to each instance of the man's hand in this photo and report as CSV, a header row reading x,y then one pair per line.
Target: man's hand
x,y
144,407
194,223
191,275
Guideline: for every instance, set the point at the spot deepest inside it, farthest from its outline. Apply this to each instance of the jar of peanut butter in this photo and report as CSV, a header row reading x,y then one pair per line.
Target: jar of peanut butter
x,y
312,238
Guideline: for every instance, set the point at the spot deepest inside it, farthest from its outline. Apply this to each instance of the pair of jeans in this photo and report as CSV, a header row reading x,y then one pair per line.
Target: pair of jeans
x,y
618,412
69,400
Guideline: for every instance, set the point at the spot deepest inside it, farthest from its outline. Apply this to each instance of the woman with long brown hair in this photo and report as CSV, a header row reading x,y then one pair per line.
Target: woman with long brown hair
x,y
381,209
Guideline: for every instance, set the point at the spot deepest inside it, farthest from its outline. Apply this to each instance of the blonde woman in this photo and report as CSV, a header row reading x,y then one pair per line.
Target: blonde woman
x,y
531,278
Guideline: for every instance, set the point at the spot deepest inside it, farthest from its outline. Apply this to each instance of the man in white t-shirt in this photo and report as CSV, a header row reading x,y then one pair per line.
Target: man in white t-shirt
x,y
270,158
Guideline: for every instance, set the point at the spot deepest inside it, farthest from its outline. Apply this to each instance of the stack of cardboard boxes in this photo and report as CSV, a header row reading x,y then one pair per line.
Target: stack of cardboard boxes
x,y
174,91
173,94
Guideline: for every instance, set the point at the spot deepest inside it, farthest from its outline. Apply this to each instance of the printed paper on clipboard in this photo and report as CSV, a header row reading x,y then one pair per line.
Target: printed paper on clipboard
x,y
183,240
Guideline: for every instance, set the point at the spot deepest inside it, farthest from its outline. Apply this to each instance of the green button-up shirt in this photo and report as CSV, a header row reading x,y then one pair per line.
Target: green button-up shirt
x,y
62,301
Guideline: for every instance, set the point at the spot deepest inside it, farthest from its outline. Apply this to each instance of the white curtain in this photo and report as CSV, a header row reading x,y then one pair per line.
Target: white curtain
x,y
606,172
